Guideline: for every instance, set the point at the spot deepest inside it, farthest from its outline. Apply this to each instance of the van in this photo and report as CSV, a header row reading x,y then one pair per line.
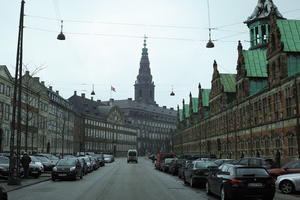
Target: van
x,y
132,156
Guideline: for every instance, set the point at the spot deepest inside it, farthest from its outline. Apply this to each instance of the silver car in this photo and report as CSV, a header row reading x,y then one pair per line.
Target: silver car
x,y
288,183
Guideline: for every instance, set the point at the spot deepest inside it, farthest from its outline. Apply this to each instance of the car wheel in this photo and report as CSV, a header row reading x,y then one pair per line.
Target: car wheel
x,y
208,192
223,194
192,182
53,178
286,187
184,181
81,175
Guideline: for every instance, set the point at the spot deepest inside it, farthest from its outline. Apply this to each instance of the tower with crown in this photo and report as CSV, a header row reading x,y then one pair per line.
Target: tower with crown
x,y
144,86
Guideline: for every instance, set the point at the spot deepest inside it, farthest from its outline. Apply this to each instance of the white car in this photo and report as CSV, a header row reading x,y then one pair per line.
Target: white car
x,y
288,183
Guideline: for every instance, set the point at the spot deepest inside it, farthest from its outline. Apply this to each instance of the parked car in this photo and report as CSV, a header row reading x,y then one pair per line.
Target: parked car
x,y
83,165
183,167
197,172
160,157
239,182
36,168
166,164
267,163
3,193
222,161
291,167
108,158
4,166
67,168
48,165
51,157
88,163
94,162
288,183
175,165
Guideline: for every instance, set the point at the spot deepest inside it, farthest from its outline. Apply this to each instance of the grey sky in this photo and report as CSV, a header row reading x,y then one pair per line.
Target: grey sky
x,y
93,58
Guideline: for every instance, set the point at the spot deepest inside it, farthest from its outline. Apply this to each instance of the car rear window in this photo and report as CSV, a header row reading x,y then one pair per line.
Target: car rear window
x,y
204,165
66,162
132,153
251,172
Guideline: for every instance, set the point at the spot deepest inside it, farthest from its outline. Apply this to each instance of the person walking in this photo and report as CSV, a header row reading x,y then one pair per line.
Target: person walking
x,y
25,161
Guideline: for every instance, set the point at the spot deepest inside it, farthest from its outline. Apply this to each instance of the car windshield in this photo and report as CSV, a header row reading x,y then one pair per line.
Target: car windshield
x,y
204,165
167,161
42,159
66,162
34,159
251,172
4,160
132,153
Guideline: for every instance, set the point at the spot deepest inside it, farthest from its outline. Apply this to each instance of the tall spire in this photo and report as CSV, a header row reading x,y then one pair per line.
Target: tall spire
x,y
144,86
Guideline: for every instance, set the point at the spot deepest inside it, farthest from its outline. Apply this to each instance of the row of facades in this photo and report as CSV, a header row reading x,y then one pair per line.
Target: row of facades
x,y
256,111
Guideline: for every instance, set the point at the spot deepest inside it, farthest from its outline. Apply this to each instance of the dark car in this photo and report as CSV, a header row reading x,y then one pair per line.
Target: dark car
x,y
267,163
83,165
51,157
101,159
4,166
166,164
67,168
183,167
89,165
240,182
175,165
197,172
48,165
289,168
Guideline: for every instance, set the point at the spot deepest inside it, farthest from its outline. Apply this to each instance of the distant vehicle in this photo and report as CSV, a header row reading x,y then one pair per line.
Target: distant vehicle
x,y
36,168
51,157
161,157
108,158
240,182
289,168
132,156
4,166
197,172
288,183
89,165
166,164
67,168
267,163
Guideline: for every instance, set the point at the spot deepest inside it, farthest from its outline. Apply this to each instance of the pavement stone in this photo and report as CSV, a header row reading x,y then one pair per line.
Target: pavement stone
x,y
25,182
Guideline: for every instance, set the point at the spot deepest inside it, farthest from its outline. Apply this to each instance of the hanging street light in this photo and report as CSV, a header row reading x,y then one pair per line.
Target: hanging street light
x,y
93,91
61,36
172,93
210,43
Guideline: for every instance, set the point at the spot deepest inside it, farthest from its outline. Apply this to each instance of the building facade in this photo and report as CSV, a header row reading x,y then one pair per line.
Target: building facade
x,y
256,111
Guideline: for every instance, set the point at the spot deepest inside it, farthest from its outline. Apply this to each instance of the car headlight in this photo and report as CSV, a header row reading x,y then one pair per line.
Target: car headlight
x,y
72,168
54,169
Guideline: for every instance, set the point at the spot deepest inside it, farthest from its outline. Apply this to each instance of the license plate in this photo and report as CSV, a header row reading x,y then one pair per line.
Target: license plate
x,y
34,172
255,185
62,174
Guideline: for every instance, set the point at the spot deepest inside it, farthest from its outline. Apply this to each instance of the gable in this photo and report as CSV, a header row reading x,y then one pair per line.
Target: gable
x,y
256,63
4,73
229,82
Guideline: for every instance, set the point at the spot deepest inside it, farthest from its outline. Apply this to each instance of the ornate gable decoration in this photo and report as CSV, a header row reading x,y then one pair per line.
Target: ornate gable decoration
x,y
263,10
241,69
275,45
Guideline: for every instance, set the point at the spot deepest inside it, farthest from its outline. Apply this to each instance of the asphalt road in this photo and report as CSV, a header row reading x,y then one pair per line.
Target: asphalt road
x,y
119,181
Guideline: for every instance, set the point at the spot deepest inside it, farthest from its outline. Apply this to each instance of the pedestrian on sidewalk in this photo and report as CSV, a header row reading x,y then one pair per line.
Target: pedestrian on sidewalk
x,y
25,161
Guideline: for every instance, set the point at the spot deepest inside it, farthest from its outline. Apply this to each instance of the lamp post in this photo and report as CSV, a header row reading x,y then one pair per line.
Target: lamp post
x,y
14,160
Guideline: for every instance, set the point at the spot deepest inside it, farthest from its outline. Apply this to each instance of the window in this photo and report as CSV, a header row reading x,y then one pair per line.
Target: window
x,y
8,91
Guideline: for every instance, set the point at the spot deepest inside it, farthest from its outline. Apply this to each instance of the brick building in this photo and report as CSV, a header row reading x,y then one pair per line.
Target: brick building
x,y
256,111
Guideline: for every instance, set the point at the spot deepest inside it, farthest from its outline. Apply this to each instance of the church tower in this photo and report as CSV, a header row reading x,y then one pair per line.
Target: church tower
x,y
259,23
144,86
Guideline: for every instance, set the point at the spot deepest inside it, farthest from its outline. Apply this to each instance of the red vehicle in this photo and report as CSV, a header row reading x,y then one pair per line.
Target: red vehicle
x,y
289,168
160,157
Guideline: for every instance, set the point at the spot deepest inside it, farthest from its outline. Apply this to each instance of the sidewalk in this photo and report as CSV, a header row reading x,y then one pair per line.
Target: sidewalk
x,y
25,182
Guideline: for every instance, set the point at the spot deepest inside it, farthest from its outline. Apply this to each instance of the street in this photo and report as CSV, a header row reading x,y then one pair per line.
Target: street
x,y
116,181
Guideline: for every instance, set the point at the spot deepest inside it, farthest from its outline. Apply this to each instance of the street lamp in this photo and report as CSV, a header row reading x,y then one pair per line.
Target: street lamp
x,y
14,160
61,36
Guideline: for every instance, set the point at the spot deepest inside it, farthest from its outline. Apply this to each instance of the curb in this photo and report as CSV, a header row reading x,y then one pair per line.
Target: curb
x,y
22,186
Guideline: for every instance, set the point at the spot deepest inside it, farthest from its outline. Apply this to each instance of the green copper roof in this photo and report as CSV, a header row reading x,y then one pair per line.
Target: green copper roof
x,y
195,105
205,97
187,109
256,63
290,34
229,82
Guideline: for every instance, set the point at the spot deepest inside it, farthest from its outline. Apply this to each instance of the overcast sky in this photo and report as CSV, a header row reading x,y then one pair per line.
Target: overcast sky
x,y
104,40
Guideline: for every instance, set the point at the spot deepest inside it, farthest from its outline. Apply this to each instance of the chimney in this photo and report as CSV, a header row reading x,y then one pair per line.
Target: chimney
x,y
111,100
83,95
37,79
164,107
130,99
75,93
99,101
172,108
92,98
43,83
50,88
27,73
57,92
